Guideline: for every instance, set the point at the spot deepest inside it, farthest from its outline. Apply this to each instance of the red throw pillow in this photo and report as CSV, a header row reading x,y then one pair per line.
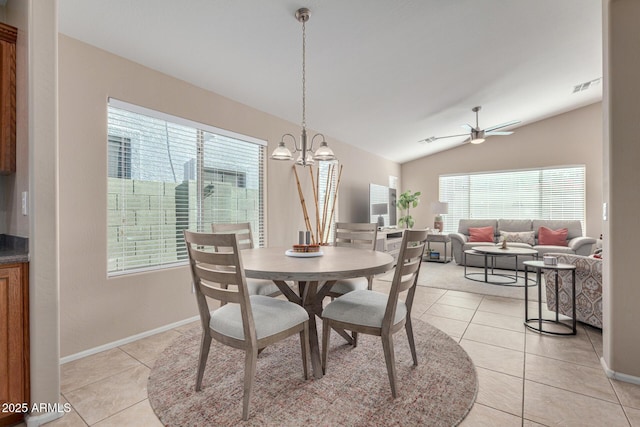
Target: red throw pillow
x,y
549,237
481,234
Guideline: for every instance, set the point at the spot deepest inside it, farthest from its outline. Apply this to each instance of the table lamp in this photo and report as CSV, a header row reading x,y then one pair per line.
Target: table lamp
x,y
439,209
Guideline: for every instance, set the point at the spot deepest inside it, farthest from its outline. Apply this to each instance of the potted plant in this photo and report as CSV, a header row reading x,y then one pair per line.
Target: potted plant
x,y
406,201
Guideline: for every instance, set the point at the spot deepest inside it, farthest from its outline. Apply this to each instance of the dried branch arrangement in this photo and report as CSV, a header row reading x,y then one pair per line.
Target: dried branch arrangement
x,y
323,222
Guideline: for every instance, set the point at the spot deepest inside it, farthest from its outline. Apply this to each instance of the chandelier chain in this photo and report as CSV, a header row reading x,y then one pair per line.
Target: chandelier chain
x,y
304,80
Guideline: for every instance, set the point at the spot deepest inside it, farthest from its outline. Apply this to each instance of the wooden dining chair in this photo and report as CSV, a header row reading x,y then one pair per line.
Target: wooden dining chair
x,y
245,241
354,235
376,313
246,322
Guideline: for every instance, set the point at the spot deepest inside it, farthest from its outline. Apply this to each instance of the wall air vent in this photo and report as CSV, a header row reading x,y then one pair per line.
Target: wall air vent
x,y
586,85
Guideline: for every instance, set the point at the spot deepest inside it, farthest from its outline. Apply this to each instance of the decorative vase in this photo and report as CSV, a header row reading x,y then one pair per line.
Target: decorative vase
x,y
438,224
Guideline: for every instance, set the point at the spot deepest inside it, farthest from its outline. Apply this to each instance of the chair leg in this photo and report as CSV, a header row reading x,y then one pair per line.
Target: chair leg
x,y
354,335
205,345
390,360
412,344
304,347
250,361
326,333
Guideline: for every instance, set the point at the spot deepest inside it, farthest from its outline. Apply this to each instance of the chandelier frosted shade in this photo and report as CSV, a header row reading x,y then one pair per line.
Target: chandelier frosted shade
x,y
281,152
324,152
309,160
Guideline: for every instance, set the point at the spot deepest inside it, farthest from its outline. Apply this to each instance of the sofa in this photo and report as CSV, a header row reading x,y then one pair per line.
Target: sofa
x,y
588,288
513,231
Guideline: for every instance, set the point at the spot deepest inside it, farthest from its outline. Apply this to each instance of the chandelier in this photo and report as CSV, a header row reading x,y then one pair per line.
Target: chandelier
x,y
307,156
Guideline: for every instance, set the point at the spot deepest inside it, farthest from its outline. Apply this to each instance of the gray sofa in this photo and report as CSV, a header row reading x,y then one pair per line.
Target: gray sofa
x,y
576,243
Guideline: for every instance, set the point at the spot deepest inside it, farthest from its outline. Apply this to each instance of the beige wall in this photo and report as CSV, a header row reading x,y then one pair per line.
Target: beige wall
x,y
567,139
37,154
622,175
96,310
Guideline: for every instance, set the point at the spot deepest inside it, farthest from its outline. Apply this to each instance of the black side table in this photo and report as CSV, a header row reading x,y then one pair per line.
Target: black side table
x,y
538,266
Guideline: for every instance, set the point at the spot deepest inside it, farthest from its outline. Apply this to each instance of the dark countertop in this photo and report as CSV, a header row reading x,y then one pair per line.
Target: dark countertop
x,y
13,249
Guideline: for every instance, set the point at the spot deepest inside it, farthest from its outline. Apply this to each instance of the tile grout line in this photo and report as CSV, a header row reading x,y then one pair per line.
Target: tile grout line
x,y
108,376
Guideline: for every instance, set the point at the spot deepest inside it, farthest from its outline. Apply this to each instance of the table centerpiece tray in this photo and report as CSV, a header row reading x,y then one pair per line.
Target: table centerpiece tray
x,y
292,253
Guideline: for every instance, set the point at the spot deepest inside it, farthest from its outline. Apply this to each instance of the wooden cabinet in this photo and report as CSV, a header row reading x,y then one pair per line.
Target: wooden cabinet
x,y
8,35
14,342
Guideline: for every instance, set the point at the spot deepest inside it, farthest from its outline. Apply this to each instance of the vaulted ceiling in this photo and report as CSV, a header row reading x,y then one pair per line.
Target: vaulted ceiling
x,y
381,75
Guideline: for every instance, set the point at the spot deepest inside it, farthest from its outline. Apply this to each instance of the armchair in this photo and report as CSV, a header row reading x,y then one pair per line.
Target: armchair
x,y
588,288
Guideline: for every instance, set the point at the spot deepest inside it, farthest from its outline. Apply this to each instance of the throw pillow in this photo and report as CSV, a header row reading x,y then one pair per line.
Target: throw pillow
x,y
549,237
481,234
527,237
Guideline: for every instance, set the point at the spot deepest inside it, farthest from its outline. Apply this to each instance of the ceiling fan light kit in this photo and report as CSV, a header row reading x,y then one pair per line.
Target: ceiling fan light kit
x,y
475,134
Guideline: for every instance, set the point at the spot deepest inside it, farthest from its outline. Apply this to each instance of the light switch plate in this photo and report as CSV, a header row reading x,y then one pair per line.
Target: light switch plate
x,y
25,203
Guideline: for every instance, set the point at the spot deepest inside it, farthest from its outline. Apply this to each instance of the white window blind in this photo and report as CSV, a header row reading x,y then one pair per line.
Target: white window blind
x,y
167,174
549,193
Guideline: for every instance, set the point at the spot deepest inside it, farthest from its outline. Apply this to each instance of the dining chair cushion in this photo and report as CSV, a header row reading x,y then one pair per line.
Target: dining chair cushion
x,y
362,307
261,287
270,315
345,286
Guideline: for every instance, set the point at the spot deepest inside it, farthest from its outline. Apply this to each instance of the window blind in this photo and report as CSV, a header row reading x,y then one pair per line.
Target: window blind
x,y
167,174
548,193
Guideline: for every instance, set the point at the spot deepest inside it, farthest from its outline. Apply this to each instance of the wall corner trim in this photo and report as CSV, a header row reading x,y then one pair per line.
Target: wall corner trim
x,y
618,375
42,418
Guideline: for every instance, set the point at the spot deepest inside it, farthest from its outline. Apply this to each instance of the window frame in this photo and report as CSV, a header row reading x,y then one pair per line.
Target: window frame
x,y
200,152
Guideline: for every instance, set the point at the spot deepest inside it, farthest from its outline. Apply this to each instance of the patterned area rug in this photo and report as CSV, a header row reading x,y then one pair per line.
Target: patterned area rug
x,y
355,391
450,276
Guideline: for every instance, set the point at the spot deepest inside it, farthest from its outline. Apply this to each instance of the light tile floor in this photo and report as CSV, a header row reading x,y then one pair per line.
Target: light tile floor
x,y
525,379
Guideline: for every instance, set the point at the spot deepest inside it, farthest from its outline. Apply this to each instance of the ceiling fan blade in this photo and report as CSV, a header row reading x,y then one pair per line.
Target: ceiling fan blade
x,y
503,125
498,133
434,138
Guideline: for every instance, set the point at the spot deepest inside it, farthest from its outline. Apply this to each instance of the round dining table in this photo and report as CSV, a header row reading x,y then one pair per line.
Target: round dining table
x,y
314,274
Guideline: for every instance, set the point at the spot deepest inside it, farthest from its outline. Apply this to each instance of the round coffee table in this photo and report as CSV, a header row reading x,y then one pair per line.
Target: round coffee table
x,y
490,253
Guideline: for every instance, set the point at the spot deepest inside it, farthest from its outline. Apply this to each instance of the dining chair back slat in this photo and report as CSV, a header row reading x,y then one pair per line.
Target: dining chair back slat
x,y
218,293
242,230
244,236
359,236
356,235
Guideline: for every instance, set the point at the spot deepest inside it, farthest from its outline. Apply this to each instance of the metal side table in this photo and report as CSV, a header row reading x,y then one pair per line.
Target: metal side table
x,y
536,324
439,238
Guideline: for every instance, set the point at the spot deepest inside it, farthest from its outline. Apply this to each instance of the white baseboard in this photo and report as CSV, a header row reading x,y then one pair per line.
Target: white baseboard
x,y
124,341
42,418
618,375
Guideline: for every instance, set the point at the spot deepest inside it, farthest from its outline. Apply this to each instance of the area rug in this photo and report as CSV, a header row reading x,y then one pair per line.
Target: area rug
x,y
450,276
355,391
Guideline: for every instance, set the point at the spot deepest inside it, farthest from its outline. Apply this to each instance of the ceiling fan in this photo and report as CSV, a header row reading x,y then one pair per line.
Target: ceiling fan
x,y
475,134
